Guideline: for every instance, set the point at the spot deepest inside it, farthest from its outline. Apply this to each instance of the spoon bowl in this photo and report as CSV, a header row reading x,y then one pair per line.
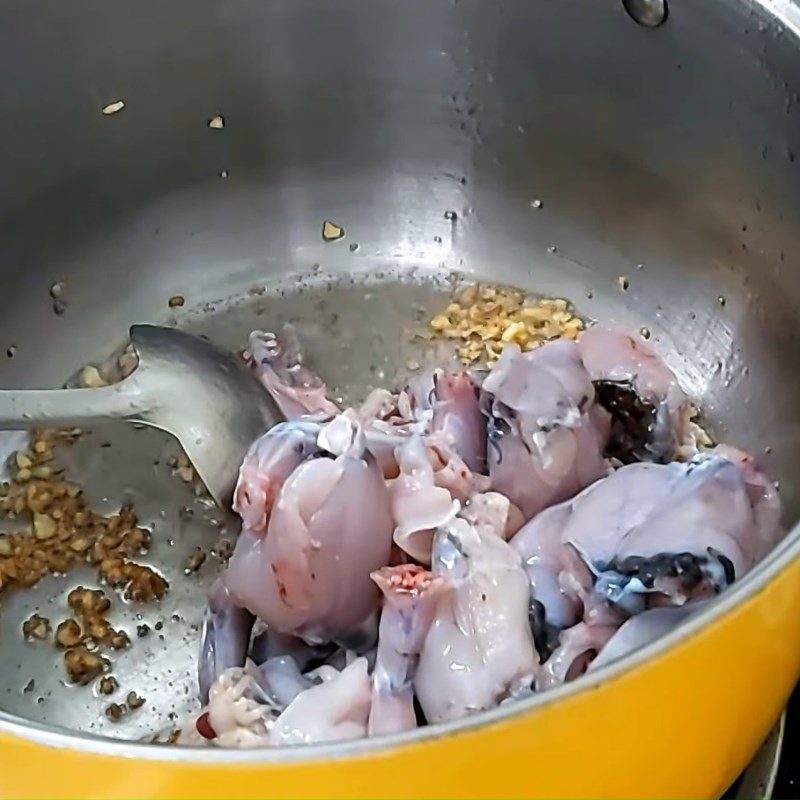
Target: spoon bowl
x,y
206,398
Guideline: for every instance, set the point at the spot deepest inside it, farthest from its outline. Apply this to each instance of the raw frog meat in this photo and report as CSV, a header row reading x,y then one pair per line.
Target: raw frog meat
x,y
650,412
480,645
225,638
458,419
278,363
329,705
335,709
586,647
641,630
510,532
270,460
653,536
410,596
561,584
546,433
684,530
330,527
675,529
419,505
237,714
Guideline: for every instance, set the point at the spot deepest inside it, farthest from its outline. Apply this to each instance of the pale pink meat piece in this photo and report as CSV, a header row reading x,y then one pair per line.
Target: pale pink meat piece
x,y
710,502
479,646
577,647
419,506
224,639
278,363
619,357
546,435
615,355
268,463
546,557
457,415
334,710
492,512
330,527
410,594
642,630
652,534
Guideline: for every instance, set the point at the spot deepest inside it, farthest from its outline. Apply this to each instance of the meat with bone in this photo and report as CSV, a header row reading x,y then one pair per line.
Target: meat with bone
x,y
577,646
237,714
278,363
330,527
419,506
546,433
479,645
336,709
650,412
642,630
553,563
410,595
225,637
270,460
588,647
242,710
680,530
458,418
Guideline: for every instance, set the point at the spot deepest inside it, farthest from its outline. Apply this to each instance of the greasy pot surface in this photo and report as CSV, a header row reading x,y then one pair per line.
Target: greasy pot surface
x,y
672,148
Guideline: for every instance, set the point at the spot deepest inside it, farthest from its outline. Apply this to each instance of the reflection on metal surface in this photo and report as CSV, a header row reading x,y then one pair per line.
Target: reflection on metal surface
x,y
650,13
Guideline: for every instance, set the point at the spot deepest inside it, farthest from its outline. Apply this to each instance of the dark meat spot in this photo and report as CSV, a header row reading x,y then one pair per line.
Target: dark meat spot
x,y
633,423
496,429
685,572
204,728
580,664
727,565
419,713
686,566
545,636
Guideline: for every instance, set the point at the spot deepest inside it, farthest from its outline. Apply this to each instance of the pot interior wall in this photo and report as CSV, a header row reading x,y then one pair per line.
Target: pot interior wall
x,y
666,156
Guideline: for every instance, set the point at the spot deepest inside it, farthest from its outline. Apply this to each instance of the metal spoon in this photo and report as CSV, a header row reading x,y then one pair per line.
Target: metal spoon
x,y
208,400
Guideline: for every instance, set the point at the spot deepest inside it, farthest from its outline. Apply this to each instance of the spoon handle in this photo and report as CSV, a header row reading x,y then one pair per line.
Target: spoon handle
x,y
65,407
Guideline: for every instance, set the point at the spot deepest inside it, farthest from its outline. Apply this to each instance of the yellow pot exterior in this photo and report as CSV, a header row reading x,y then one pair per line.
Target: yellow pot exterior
x,y
684,724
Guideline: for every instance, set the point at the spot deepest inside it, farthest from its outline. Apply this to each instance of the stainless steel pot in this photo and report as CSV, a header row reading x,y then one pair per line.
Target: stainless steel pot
x,y
665,155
